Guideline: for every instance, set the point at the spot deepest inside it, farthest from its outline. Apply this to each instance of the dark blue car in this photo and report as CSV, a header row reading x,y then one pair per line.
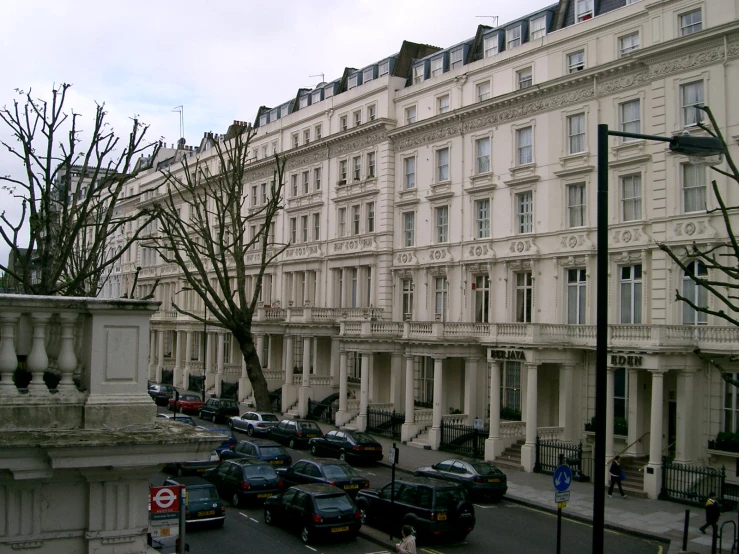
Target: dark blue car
x,y
229,439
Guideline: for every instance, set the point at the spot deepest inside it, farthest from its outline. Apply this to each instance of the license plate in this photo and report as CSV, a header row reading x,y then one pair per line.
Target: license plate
x,y
207,513
311,436
369,447
346,487
264,495
493,480
201,469
441,517
339,529
276,462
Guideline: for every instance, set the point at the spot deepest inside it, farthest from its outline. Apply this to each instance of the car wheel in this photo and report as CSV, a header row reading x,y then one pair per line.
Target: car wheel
x,y
314,450
231,425
291,444
236,500
182,410
362,505
214,418
305,535
342,456
250,431
268,517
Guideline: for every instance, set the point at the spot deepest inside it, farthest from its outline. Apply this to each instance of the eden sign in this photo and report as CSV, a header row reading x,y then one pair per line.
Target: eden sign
x,y
621,360
517,355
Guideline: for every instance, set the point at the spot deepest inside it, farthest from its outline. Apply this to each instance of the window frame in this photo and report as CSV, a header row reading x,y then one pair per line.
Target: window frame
x,y
482,218
479,91
440,178
370,217
408,118
584,14
635,202
570,136
686,109
682,27
409,184
635,286
454,63
514,37
441,297
575,208
480,168
698,295
443,104
628,126
521,148
491,39
699,170
533,30
577,289
574,65
408,220
524,296
524,83
524,219
625,51
441,224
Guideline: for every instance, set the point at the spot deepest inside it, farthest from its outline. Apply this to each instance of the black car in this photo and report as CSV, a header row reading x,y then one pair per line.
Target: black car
x,y
203,503
349,446
295,432
161,394
242,480
480,479
316,511
260,449
217,409
435,509
323,470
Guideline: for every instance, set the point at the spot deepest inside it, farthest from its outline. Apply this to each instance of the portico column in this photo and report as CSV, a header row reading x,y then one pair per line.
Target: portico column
x,y
260,350
152,355
493,446
341,415
219,363
287,388
610,402
396,381
653,475
304,392
683,448
177,373
435,431
160,356
635,416
209,376
470,389
245,388
410,408
528,450
364,393
566,399
188,360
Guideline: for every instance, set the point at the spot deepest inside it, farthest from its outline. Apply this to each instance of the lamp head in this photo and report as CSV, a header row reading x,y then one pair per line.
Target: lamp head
x,y
696,146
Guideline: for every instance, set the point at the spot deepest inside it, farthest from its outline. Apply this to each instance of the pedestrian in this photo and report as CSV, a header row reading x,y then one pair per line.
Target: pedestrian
x,y
408,543
713,511
616,477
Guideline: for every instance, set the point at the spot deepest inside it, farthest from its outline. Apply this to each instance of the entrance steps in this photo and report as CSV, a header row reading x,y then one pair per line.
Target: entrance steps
x,y
511,457
633,485
421,440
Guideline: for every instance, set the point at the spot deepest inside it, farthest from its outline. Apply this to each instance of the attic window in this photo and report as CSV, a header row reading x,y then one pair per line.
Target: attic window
x,y
437,67
263,119
491,46
273,115
456,57
384,68
418,74
353,81
538,27
514,37
284,110
583,10
328,92
316,96
305,101
368,74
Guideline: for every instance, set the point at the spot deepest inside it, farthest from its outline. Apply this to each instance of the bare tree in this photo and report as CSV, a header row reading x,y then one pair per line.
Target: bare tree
x,y
71,184
204,221
713,268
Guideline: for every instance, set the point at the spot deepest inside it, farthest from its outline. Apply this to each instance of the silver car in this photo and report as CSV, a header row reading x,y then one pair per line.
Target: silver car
x,y
253,423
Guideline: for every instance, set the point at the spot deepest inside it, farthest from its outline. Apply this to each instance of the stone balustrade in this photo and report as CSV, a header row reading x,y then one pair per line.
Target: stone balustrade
x,y
423,415
274,376
550,433
320,381
512,429
455,419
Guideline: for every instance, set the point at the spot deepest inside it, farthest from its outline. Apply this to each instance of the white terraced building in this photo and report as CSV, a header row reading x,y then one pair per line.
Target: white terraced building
x,y
440,206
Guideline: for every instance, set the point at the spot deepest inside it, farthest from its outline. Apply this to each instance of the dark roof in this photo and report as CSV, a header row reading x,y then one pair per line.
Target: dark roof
x,y
429,481
246,462
318,489
188,481
261,442
325,461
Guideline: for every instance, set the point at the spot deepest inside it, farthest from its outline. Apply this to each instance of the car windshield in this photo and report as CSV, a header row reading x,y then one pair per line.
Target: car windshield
x,y
363,438
310,426
261,471
228,404
336,471
269,417
448,498
271,451
486,469
202,494
334,502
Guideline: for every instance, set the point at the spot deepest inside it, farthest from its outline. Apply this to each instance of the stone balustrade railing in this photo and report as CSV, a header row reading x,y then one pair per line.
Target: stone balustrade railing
x,y
232,369
455,419
275,376
320,381
382,406
513,429
352,406
423,415
298,379
550,433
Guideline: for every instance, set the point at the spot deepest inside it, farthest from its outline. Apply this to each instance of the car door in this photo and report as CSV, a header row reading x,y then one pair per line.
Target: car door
x,y
218,478
279,433
461,474
294,474
386,510
312,474
296,513
281,508
328,444
233,479
442,470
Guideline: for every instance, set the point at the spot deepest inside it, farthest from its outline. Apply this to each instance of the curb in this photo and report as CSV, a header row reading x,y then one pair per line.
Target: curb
x,y
375,536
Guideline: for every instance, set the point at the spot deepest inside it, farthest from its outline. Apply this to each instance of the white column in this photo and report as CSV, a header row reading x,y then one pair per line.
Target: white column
x,y
305,390
635,416
152,355
8,355
38,360
341,415
470,389
188,360
260,350
364,393
653,474
160,356
566,401
219,363
289,363
177,373
438,407
610,402
314,357
528,450
209,375
685,417
493,446
396,381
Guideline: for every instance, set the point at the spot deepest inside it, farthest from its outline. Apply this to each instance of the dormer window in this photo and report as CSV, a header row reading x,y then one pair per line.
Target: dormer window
x,y
491,46
437,67
368,74
583,10
538,27
263,119
456,58
353,81
328,92
384,68
284,110
273,115
316,96
418,74
304,101
513,37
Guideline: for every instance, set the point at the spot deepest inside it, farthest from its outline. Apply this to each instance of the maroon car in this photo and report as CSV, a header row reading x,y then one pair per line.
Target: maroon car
x,y
186,404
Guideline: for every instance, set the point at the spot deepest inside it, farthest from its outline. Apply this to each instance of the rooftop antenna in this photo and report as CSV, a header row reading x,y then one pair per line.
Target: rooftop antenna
x,y
181,110
323,80
493,17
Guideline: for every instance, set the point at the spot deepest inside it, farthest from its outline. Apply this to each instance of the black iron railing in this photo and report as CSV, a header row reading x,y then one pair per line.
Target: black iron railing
x,y
195,383
385,422
167,376
552,453
691,484
229,390
463,439
321,411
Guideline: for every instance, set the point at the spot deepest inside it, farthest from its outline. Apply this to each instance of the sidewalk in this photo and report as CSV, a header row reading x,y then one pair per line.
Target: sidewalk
x,y
656,519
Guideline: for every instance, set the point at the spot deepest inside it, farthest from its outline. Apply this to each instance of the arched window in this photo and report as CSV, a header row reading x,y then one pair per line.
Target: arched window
x,y
696,294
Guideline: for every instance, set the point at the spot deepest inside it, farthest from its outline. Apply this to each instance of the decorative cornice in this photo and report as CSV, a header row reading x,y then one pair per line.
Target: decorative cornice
x,y
354,245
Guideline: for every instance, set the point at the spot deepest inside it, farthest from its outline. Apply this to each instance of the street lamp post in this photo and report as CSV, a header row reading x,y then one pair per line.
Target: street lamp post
x,y
697,147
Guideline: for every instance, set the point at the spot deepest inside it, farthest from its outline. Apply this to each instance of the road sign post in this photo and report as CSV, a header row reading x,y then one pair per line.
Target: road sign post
x,y
393,454
562,479
164,511
183,521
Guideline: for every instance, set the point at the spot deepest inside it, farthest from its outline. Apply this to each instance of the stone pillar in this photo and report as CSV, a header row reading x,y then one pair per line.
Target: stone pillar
x,y
245,388
178,366
528,450
160,356
493,444
566,402
289,363
396,381
364,393
38,360
209,375
435,431
653,475
685,417
314,358
636,416
470,389
342,416
152,355
219,363
304,392
410,408
67,360
188,360
610,402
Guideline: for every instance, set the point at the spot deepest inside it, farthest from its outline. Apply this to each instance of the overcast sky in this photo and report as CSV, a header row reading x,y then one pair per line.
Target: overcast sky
x,y
220,60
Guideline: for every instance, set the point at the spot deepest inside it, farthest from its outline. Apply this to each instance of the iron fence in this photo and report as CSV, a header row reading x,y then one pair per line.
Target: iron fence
x,y
167,376
385,422
321,411
463,439
229,390
552,453
195,383
692,484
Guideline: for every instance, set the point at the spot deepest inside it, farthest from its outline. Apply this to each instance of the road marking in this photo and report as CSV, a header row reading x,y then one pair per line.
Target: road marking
x,y
254,520
430,551
313,549
484,507
247,516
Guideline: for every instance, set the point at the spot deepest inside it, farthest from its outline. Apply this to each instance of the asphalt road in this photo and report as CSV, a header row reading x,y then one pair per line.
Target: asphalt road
x,y
503,527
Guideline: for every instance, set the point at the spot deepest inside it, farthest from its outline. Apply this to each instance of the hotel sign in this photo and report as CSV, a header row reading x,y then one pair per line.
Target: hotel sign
x,y
513,355
622,360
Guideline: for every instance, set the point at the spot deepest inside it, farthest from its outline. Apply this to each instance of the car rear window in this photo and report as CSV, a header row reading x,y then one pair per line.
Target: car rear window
x,y
271,451
486,469
228,404
339,472
201,494
269,417
363,438
309,426
262,470
448,498
332,503
189,397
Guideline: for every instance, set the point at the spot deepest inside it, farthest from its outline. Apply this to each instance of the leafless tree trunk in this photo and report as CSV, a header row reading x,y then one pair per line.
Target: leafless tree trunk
x,y
204,225
68,194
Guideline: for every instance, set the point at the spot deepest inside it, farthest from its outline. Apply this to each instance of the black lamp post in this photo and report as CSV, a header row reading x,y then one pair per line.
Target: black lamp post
x,y
682,144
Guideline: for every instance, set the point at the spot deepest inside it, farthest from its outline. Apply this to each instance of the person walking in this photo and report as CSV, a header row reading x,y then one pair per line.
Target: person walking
x,y
616,477
713,511
408,543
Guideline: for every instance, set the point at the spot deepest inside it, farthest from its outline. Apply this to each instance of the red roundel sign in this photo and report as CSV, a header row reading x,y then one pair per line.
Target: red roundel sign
x,y
164,499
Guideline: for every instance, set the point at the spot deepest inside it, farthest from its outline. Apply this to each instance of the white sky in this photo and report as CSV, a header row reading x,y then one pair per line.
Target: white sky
x,y
220,60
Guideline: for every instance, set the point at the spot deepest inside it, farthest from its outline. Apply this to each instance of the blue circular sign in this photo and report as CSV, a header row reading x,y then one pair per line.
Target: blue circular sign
x,y
562,478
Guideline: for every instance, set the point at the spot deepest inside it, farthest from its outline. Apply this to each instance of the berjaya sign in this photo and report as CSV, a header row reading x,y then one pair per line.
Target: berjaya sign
x,y
514,355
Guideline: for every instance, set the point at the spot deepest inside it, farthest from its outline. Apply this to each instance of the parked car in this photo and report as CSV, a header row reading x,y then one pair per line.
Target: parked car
x,y
241,480
480,479
253,423
186,420
323,470
316,511
229,440
436,509
203,503
217,409
161,393
349,446
259,449
187,403
295,432
193,467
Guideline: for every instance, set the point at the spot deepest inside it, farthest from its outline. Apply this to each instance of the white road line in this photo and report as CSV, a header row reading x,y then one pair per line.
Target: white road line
x,y
484,507
247,516
254,520
313,549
